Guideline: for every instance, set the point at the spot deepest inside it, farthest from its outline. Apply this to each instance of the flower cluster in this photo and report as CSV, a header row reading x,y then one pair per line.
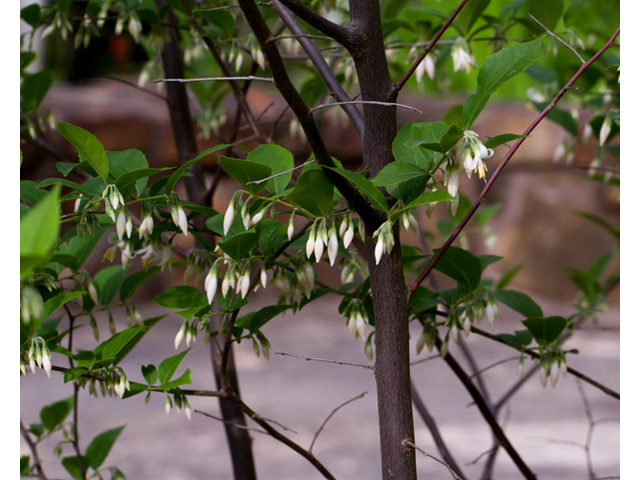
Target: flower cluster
x,y
551,366
462,59
181,402
357,317
385,242
39,355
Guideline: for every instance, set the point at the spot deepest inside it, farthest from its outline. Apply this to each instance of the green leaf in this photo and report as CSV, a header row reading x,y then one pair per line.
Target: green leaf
x,y
423,299
576,11
230,302
58,301
63,181
99,448
54,414
181,297
470,13
599,221
461,265
402,180
150,373
313,192
108,281
26,59
169,366
488,260
547,12
222,20
431,197
520,340
135,281
498,69
175,176
184,379
73,466
245,171
599,264
545,330
82,247
34,88
255,320
373,194
88,146
39,230
31,193
501,139
406,148
443,144
110,348
238,246
279,160
518,301
508,276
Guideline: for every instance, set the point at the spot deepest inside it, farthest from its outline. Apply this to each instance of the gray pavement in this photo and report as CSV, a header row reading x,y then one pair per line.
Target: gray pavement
x,y
547,426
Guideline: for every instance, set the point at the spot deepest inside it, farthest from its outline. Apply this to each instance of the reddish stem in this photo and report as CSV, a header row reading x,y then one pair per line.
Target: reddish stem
x,y
436,258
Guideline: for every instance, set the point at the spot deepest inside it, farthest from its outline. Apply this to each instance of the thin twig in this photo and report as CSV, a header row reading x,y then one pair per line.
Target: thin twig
x,y
422,360
407,442
244,427
283,173
34,451
495,364
556,37
436,258
398,86
372,102
137,87
325,360
206,79
315,437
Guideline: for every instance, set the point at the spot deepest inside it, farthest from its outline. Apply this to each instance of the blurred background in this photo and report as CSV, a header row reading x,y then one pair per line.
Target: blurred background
x,y
530,218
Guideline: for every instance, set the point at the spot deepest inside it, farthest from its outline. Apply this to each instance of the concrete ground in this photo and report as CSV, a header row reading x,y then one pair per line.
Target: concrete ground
x,y
548,427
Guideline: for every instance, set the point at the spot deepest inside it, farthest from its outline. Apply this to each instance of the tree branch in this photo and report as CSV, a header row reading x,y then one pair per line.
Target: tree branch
x,y
436,258
398,86
486,413
321,66
435,432
345,36
301,110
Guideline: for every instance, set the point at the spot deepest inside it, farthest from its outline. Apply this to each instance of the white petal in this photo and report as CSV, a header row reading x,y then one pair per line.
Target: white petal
x,y
228,217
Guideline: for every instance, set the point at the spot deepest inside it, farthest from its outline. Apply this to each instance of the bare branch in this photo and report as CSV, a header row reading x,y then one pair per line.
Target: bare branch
x,y
433,428
207,79
343,35
556,37
407,442
34,451
283,173
315,437
325,360
319,62
244,427
389,104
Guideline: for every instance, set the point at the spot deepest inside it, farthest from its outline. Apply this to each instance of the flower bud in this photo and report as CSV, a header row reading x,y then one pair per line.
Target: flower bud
x,y
379,249
121,223
290,228
318,247
555,373
543,375
521,367
245,283
360,326
348,235
332,248
92,292
311,242
183,223
563,367
229,216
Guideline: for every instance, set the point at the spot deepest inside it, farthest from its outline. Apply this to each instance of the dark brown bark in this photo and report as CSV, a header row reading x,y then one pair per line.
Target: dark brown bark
x,y
185,139
388,291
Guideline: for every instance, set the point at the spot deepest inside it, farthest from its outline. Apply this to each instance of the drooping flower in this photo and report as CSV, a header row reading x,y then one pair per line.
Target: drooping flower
x,y
462,59
121,224
229,216
332,247
183,223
